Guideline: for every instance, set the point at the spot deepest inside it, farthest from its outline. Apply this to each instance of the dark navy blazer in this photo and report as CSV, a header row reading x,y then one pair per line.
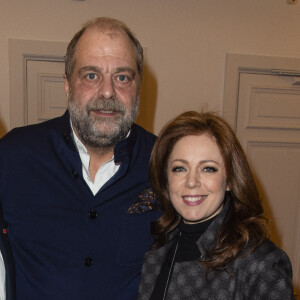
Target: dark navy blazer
x,y
68,243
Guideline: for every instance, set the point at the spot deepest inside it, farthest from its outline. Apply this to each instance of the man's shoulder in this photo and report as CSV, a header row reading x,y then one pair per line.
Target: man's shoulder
x,y
142,134
31,133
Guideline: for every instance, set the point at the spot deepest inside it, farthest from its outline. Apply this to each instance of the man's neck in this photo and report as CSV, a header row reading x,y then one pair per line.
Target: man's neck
x,y
98,155
97,158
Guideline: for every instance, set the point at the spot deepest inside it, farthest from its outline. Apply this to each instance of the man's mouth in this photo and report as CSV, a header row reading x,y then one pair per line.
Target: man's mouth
x,y
104,112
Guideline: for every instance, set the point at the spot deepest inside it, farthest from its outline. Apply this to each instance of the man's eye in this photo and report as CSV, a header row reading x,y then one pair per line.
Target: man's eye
x,y
91,76
123,78
210,169
178,169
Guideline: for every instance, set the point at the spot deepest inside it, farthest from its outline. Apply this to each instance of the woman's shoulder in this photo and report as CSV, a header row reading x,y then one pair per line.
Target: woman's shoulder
x,y
266,270
271,252
266,254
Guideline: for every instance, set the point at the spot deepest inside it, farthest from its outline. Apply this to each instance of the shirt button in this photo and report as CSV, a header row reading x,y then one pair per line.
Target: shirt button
x,y
74,174
66,137
93,214
88,262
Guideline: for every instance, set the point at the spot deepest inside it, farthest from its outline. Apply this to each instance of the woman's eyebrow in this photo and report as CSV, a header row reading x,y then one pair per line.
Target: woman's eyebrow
x,y
205,161
179,160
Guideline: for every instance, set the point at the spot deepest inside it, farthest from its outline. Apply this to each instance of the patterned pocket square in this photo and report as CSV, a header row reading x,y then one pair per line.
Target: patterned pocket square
x,y
147,201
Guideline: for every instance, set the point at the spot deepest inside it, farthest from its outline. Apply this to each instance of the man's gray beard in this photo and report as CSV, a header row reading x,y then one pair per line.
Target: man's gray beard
x,y
98,132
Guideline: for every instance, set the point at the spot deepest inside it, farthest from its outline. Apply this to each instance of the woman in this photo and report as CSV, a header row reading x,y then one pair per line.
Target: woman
x,y
210,242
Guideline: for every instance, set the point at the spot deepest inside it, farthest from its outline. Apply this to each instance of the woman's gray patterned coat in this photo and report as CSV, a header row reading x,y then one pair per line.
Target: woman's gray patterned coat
x,y
264,274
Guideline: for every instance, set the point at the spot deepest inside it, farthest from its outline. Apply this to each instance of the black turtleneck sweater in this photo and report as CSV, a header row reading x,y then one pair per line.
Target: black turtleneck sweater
x,y
184,248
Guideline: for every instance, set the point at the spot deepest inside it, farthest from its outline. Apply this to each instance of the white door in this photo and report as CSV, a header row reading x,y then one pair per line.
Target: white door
x,y
268,127
45,92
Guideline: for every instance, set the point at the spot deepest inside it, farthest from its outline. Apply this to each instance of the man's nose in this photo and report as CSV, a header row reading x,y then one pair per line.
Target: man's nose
x,y
106,89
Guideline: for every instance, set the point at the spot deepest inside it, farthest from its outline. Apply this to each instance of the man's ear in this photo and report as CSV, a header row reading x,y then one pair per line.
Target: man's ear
x,y
66,85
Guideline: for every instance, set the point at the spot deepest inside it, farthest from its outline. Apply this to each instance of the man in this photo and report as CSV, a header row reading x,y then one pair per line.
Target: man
x,y
74,189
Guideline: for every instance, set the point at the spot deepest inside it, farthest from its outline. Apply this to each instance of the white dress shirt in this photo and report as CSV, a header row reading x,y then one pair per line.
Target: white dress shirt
x,y
104,173
2,279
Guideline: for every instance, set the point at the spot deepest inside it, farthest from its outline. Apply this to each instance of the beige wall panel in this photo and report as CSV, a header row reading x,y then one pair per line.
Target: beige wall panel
x,y
186,42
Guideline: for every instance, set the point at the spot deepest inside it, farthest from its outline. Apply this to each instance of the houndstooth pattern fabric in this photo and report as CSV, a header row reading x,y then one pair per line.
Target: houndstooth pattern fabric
x,y
264,274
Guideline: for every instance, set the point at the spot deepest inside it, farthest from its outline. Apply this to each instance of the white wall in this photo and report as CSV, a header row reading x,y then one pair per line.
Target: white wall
x,y
185,41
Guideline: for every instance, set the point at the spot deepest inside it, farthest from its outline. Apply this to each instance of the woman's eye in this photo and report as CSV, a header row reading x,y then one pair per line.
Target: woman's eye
x,y
210,169
178,169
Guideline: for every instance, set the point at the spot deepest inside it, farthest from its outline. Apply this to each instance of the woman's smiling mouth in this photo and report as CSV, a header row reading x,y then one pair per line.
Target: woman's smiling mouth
x,y
194,200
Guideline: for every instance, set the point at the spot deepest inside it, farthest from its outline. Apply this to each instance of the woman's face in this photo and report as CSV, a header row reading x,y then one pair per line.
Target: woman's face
x,y
197,178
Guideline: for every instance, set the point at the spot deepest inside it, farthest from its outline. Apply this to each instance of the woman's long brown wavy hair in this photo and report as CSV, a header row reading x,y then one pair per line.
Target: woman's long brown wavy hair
x,y
245,223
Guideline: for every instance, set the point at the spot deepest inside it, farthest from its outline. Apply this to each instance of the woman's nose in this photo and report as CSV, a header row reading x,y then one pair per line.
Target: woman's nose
x,y
193,180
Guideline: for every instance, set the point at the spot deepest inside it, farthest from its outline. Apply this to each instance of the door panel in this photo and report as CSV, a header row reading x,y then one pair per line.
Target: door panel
x,y
44,91
268,127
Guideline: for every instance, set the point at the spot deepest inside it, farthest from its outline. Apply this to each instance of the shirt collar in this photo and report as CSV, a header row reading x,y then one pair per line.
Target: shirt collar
x,y
120,147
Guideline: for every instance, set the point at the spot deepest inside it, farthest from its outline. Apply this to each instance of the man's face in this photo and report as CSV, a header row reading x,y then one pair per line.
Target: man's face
x,y
103,97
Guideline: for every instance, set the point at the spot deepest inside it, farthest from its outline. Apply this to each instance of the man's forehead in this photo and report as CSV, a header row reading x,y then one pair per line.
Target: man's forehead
x,y
97,38
105,34
98,43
